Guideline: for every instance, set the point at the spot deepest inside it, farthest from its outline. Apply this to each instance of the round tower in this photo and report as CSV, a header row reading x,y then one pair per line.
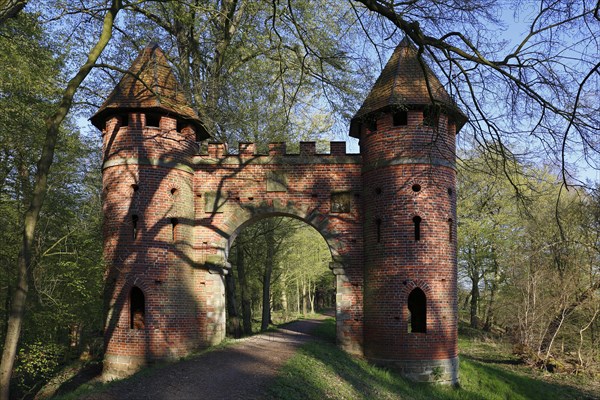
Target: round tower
x,y
149,136
407,127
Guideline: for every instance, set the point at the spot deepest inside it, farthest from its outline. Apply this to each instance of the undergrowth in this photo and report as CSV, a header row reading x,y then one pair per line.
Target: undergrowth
x,y
320,370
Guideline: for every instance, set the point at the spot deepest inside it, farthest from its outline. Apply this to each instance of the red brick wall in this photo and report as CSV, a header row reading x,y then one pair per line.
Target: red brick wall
x,y
396,159
152,173
240,182
182,278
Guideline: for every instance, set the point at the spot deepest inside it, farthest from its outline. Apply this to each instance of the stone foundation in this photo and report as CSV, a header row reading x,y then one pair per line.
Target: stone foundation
x,y
436,371
119,367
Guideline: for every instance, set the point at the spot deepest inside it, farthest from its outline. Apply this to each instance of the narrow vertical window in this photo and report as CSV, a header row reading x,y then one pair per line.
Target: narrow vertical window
x,y
134,224
417,307
400,118
450,234
137,309
430,118
174,223
417,222
124,120
378,223
153,120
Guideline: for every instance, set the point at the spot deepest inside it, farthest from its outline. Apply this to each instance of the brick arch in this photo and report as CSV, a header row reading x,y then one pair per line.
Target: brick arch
x,y
410,285
123,298
340,195
314,219
348,279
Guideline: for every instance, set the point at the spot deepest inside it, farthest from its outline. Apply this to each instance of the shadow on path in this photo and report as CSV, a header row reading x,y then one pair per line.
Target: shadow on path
x,y
242,370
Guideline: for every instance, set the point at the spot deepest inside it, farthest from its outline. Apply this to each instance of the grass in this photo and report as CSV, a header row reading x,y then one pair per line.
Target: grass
x,y
488,371
322,371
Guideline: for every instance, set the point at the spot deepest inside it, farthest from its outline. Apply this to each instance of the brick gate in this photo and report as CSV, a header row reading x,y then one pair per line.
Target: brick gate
x,y
173,206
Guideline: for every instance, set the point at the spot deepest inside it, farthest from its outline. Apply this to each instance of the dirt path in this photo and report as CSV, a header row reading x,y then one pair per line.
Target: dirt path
x,y
240,371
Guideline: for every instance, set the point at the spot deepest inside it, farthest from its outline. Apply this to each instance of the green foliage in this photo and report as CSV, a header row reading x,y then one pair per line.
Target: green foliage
x,y
37,363
321,370
528,257
301,280
64,304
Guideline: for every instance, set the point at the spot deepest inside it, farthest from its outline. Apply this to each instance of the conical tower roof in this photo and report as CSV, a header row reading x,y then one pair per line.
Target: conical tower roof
x,y
403,84
152,86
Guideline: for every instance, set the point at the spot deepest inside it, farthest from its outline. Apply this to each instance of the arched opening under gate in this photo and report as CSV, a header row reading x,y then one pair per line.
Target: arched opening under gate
x,y
279,273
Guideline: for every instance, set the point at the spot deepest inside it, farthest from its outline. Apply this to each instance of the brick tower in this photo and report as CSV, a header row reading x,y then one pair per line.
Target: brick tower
x,y
407,127
149,137
388,216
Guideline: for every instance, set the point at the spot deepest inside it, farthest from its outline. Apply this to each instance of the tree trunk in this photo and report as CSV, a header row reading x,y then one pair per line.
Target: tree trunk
x,y
266,297
230,291
304,310
311,296
10,8
556,322
245,292
15,321
466,302
297,296
474,303
284,301
489,314
233,320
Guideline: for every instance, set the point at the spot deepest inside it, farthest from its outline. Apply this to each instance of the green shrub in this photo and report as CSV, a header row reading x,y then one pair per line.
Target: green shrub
x,y
36,364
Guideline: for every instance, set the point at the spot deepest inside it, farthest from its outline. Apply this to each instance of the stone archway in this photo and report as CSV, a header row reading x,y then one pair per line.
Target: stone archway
x,y
348,336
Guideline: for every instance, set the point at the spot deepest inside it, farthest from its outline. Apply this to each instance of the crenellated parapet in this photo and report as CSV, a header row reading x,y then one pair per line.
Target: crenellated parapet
x,y
247,153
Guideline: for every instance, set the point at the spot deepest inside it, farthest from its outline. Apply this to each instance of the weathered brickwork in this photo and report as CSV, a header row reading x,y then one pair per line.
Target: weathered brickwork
x,y
408,173
174,206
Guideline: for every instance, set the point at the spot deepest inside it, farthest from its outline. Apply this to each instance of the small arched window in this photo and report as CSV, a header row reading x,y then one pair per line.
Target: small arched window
x,y
417,221
137,309
417,307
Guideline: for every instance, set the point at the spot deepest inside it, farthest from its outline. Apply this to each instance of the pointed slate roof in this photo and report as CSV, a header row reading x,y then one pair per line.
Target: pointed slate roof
x,y
403,84
151,85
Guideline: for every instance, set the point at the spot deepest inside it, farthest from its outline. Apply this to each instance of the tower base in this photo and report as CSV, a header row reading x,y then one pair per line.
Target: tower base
x,y
118,367
444,372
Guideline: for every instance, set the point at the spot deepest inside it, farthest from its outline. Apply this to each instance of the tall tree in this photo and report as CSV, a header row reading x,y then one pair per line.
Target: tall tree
x,y
32,213
531,86
10,8
28,84
488,211
252,69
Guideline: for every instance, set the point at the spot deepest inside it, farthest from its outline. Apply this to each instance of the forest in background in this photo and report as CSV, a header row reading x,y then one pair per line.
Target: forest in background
x,y
281,71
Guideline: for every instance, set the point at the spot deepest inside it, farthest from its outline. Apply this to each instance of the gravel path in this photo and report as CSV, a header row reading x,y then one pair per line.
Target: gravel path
x,y
240,371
